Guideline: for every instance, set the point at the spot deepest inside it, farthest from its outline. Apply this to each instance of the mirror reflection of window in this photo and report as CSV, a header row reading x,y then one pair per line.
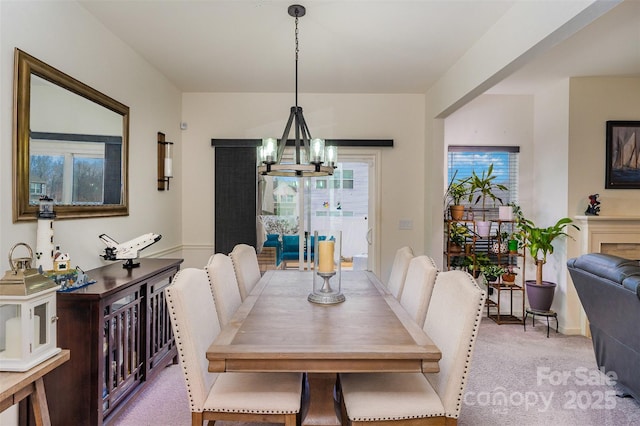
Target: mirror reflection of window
x,y
45,177
69,172
73,171
88,180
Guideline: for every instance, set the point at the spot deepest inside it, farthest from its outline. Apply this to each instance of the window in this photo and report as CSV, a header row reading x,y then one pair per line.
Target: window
x,y
463,160
285,195
347,179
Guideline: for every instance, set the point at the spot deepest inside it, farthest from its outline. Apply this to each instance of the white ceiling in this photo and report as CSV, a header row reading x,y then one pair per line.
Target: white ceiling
x,y
347,46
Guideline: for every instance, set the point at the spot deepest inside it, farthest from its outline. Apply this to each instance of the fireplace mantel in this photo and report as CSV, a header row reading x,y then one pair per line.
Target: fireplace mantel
x,y
619,235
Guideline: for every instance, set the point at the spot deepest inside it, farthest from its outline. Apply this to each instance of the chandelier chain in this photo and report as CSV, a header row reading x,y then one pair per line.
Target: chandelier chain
x,y
297,49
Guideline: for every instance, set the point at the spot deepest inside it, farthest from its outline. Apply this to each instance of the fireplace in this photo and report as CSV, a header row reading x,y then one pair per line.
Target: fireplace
x,y
617,235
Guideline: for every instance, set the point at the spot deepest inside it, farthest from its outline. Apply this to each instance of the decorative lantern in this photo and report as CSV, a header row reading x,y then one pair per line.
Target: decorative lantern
x,y
27,315
326,269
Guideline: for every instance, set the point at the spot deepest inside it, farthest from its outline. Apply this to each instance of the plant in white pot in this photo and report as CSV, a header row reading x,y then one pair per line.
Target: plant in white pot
x,y
539,244
481,188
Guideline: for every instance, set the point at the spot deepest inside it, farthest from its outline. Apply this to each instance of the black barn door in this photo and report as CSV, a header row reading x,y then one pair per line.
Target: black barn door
x,y
235,197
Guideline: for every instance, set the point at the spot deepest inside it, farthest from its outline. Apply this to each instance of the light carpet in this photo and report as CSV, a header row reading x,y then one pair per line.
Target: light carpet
x,y
516,377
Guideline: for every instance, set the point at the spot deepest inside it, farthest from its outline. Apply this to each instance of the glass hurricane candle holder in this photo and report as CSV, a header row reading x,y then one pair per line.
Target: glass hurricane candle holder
x,y
327,252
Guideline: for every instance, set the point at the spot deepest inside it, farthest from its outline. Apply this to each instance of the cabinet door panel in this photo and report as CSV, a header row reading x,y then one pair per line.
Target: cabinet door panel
x,y
122,348
160,336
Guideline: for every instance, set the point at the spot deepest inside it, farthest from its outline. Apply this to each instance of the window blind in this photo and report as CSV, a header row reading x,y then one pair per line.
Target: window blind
x,y
463,160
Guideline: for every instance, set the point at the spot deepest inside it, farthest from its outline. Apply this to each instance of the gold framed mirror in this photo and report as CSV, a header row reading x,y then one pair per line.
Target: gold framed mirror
x,y
70,144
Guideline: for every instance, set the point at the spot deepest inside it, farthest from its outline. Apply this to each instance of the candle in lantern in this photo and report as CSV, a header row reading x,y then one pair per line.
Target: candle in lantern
x,y
326,249
36,331
13,339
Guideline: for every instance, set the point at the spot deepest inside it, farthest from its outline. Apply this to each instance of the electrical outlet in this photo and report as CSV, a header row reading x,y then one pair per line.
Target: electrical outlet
x,y
405,224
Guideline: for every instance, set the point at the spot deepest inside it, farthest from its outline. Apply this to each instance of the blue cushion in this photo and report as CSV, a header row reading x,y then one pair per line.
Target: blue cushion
x,y
290,243
272,241
312,239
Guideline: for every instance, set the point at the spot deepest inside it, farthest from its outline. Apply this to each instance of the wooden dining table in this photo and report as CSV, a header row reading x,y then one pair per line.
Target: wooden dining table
x,y
277,329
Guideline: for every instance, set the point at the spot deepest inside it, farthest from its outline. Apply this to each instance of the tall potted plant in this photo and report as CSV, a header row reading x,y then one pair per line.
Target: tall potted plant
x,y
457,190
481,188
539,244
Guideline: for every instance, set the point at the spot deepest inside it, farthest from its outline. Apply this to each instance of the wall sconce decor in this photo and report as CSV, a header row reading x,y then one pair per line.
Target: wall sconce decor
x,y
165,162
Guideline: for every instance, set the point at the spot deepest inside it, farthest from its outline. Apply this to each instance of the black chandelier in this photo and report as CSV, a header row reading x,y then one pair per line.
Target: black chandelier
x,y
311,157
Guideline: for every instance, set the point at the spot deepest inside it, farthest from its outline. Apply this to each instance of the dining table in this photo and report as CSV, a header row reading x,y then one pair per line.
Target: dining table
x,y
277,329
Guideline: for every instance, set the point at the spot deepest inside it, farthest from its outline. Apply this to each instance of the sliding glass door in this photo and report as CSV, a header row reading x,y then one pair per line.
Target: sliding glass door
x,y
297,206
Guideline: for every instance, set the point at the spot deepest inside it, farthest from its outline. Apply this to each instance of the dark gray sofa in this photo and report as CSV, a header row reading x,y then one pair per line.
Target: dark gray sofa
x,y
609,289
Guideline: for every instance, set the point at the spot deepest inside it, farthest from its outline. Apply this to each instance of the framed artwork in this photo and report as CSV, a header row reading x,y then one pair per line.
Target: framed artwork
x,y
623,155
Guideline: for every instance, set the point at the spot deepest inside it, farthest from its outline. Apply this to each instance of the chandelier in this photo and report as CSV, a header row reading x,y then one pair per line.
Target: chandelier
x,y
311,158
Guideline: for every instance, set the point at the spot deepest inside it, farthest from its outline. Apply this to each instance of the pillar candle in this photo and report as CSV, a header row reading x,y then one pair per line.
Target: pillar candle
x,y
36,331
325,263
13,339
168,167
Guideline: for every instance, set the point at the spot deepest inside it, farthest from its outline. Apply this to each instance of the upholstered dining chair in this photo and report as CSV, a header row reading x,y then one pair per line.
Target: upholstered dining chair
x,y
399,271
452,323
224,286
245,264
247,397
418,286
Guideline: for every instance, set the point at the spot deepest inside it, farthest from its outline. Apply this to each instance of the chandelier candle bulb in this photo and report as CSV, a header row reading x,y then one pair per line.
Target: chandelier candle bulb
x,y
326,249
332,155
317,147
268,150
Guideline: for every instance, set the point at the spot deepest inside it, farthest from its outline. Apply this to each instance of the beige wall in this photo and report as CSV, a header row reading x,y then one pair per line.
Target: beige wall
x,y
246,115
593,101
550,191
65,36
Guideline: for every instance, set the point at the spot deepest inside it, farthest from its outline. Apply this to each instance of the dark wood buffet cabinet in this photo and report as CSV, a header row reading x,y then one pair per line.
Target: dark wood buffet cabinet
x,y
119,333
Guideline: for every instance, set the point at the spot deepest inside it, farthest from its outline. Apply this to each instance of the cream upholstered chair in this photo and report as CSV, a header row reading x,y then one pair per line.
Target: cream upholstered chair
x,y
418,286
399,271
452,323
224,286
248,397
245,264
